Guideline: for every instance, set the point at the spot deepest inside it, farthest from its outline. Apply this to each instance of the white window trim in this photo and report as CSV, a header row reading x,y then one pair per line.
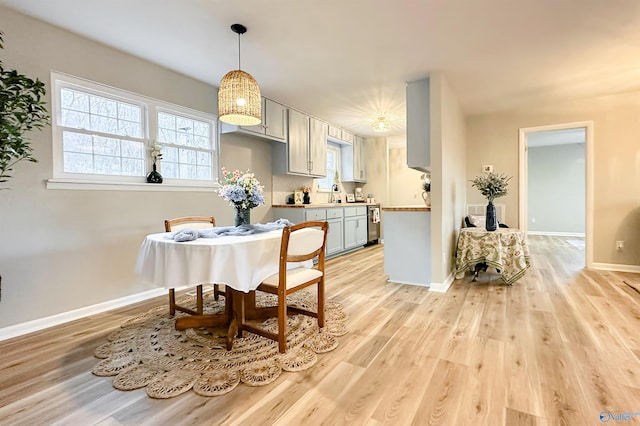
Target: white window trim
x,y
335,147
151,106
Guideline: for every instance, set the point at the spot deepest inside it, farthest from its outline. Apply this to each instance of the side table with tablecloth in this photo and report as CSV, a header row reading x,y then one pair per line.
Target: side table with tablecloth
x,y
504,249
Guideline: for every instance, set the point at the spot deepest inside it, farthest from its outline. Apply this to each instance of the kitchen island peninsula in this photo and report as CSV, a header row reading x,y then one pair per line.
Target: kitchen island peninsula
x,y
407,244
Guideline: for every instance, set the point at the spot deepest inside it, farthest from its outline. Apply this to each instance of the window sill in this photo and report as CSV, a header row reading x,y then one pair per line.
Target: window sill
x,y
127,186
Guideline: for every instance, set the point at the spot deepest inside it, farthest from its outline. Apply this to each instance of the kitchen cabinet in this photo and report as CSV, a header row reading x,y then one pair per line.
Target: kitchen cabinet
x,y
273,126
306,150
355,227
274,121
347,137
354,161
334,132
347,225
298,154
418,125
317,147
335,235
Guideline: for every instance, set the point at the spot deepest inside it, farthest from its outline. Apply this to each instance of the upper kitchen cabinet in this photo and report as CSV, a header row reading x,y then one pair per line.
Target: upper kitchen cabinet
x,y
354,161
317,147
334,133
273,126
306,151
418,125
339,136
348,137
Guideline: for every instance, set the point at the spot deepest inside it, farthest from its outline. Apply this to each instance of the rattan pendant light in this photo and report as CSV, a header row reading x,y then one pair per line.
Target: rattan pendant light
x,y
239,100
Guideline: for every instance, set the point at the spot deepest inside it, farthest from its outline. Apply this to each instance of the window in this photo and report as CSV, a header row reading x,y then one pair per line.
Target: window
x,y
333,167
100,135
103,135
187,147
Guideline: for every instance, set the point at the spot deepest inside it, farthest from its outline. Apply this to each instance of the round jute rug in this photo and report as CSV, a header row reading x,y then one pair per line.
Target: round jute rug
x,y
147,350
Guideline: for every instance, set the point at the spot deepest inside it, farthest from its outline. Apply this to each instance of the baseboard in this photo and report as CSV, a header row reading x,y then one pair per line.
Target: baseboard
x,y
42,323
616,267
557,234
444,286
407,283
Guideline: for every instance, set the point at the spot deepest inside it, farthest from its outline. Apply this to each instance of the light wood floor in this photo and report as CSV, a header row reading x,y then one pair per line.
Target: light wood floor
x,y
560,346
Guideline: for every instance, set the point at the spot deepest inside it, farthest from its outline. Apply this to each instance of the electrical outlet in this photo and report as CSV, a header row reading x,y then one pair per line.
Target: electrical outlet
x,y
619,245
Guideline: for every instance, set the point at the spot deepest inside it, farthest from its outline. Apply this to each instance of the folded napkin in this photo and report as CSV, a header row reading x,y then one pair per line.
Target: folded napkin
x,y
186,234
189,234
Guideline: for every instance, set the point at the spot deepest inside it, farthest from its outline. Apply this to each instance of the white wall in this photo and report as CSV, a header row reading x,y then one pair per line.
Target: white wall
x,y
405,185
448,177
556,189
493,139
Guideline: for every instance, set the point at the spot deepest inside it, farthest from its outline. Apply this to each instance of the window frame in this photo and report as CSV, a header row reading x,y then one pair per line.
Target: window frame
x,y
337,148
150,109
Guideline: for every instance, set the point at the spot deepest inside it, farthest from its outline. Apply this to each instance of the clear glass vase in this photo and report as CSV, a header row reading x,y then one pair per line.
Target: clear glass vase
x,y
242,216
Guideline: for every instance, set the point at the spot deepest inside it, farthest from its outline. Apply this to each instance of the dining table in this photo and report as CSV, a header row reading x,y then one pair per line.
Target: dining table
x,y
505,249
240,262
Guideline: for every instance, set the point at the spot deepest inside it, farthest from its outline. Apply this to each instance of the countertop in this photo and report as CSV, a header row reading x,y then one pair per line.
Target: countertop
x,y
416,208
322,205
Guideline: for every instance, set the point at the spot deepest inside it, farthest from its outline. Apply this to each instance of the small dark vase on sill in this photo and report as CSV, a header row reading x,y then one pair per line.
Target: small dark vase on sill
x,y
154,176
306,199
491,218
242,216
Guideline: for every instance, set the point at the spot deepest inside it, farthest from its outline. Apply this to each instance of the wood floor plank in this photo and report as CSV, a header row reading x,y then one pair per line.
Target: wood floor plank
x,y
557,347
440,404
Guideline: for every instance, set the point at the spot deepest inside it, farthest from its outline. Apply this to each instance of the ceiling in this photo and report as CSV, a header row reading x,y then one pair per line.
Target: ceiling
x,y
347,61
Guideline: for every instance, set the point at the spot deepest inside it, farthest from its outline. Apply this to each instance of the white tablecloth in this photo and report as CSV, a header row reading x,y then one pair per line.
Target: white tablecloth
x,y
241,262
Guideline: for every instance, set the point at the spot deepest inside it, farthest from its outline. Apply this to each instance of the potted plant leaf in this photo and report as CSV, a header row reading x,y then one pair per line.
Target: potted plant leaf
x,y
492,186
21,109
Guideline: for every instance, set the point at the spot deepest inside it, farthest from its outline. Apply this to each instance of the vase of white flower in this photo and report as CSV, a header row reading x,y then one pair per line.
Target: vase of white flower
x,y
154,176
492,186
243,191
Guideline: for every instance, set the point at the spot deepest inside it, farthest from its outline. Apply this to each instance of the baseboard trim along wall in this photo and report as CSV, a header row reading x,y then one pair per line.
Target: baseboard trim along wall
x,y
616,267
42,323
443,287
557,234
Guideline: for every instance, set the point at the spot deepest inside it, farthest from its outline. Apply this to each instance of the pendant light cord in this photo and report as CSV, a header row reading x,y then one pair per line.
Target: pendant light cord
x,y
239,51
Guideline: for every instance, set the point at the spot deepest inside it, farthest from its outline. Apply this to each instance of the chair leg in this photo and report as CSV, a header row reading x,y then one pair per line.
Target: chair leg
x,y
199,300
172,302
216,292
321,303
282,322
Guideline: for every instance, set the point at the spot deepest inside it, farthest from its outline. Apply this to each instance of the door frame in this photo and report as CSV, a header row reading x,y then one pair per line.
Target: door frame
x,y
523,184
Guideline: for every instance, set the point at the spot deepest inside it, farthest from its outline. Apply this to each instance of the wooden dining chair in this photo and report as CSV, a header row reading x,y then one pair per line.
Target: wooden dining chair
x,y
301,242
194,222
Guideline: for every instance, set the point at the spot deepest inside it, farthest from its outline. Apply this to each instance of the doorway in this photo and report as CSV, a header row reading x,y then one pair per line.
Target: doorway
x,y
547,209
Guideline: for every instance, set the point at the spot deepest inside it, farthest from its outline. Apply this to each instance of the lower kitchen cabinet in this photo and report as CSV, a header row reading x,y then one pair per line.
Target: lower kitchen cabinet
x,y
334,237
347,225
355,231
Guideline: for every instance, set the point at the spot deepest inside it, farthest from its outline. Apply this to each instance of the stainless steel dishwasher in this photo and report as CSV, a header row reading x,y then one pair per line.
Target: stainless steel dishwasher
x,y
373,224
